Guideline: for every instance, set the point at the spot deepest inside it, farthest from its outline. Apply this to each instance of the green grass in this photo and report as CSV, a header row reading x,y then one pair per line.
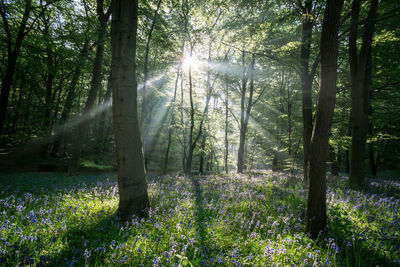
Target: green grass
x,y
255,219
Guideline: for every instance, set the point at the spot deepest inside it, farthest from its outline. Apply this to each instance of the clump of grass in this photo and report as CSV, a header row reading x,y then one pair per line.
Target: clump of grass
x,y
252,219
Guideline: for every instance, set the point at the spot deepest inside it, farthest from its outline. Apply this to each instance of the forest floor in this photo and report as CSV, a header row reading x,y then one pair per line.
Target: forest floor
x,y
251,219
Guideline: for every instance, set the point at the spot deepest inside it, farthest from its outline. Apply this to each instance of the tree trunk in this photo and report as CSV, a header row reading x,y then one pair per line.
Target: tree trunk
x,y
360,69
183,130
245,115
12,57
144,116
146,69
316,202
189,158
83,126
132,184
170,128
193,141
333,161
226,155
306,82
102,126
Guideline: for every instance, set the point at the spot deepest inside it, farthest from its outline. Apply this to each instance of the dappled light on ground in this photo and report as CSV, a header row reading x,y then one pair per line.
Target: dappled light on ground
x,y
251,219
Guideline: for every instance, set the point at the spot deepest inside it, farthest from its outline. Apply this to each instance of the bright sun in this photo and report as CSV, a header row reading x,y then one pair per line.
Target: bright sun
x,y
190,61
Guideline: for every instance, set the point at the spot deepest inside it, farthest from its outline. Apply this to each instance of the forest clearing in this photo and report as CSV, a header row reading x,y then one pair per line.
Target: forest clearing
x,y
199,133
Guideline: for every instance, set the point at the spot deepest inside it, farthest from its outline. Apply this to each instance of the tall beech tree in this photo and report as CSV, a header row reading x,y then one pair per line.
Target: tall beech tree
x,y
132,184
360,74
316,201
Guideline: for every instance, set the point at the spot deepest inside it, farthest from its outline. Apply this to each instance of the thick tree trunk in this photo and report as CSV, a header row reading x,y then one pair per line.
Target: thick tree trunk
x,y
12,57
316,202
83,126
360,69
132,184
306,82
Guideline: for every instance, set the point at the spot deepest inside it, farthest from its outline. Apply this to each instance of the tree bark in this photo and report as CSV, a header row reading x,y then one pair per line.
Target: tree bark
x,y
226,155
245,114
189,158
102,126
184,143
360,69
306,82
132,184
316,202
12,57
83,126
170,128
333,161
202,154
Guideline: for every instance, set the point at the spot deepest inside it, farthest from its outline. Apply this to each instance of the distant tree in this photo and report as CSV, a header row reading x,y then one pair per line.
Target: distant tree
x,y
307,76
144,117
360,73
245,111
83,127
316,202
132,184
13,50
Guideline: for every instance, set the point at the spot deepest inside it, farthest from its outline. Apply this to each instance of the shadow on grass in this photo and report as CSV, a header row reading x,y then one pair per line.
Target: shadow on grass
x,y
200,219
360,251
49,183
76,240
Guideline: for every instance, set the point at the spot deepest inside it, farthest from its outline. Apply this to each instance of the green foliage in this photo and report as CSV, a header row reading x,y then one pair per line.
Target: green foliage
x,y
209,220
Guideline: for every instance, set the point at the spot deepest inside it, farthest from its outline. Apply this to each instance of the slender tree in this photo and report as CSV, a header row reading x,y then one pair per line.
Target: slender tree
x,y
307,76
132,184
360,73
144,116
245,111
226,154
316,202
13,51
170,128
83,126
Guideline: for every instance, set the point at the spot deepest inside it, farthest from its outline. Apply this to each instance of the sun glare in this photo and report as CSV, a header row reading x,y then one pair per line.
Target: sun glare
x,y
190,61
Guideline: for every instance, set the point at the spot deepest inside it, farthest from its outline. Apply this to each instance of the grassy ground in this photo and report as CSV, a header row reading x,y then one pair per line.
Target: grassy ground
x,y
257,219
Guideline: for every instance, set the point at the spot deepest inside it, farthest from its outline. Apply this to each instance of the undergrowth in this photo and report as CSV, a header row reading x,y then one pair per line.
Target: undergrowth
x,y
253,219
